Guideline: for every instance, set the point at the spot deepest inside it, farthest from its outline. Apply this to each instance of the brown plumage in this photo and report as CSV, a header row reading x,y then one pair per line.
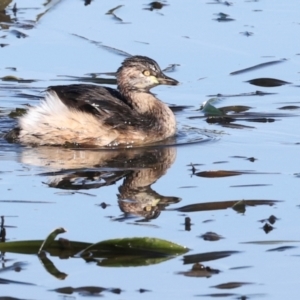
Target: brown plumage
x,y
83,114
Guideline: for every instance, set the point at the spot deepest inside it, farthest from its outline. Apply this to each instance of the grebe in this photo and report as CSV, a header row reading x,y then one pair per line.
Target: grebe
x,y
86,114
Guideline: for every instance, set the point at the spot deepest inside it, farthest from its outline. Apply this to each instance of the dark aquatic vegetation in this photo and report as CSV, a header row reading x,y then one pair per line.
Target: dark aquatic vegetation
x,y
84,290
234,108
7,281
110,49
187,224
256,93
281,249
207,256
251,185
289,107
207,206
226,173
90,79
177,108
211,236
221,2
231,285
262,65
88,290
87,2
18,34
18,112
271,242
117,252
267,82
17,79
267,228
199,270
247,33
16,267
155,5
112,12
220,295
272,219
171,68
223,18
224,117
26,201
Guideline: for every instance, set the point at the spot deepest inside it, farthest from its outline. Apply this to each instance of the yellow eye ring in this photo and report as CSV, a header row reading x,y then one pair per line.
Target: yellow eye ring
x,y
146,73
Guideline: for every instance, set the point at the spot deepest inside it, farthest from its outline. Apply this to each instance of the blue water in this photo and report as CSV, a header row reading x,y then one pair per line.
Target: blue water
x,y
207,52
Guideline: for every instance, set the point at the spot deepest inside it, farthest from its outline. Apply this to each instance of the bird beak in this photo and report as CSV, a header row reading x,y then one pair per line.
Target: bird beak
x,y
163,79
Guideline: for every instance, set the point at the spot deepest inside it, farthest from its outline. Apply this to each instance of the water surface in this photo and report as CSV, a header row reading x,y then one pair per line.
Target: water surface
x,y
150,192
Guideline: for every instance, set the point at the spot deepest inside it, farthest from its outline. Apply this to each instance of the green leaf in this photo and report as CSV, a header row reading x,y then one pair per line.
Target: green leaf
x,y
61,247
210,110
130,261
151,247
50,238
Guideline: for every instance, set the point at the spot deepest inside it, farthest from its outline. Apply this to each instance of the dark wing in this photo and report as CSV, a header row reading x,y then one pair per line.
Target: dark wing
x,y
85,97
103,102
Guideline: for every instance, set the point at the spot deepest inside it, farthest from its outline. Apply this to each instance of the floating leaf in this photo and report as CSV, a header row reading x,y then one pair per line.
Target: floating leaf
x,y
251,185
267,228
222,205
155,5
111,49
226,173
199,270
137,246
218,173
50,267
176,108
116,252
231,285
221,295
10,78
281,249
223,17
50,238
289,107
267,82
111,11
271,242
17,267
7,281
92,79
18,34
18,112
256,93
272,219
207,256
86,290
211,236
17,79
57,248
209,109
234,108
131,261
239,206
266,64
171,68
247,33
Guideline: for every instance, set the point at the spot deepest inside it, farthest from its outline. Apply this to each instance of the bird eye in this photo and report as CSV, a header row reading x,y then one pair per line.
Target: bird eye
x,y
146,73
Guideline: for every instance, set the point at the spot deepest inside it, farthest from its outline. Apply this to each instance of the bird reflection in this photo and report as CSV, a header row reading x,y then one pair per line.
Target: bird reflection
x,y
85,169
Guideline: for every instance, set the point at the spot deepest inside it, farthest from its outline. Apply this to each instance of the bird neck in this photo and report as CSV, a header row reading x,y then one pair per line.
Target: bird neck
x,y
158,114
143,102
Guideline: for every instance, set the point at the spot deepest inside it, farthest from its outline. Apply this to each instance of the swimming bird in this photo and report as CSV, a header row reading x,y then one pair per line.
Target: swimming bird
x,y
86,114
